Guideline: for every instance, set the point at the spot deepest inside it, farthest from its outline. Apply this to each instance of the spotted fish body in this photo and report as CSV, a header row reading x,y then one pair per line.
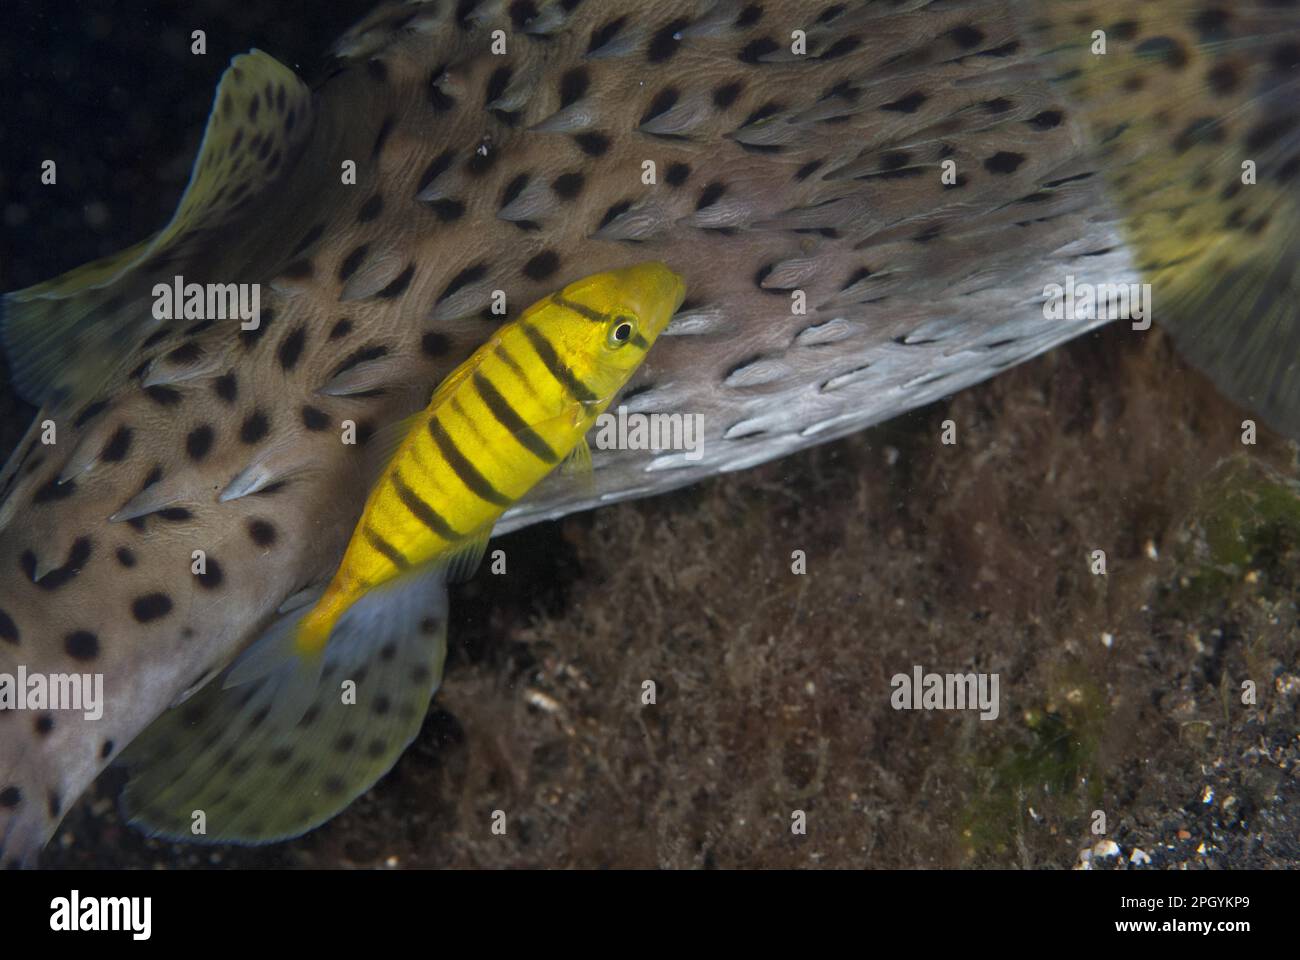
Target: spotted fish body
x,y
779,178
502,421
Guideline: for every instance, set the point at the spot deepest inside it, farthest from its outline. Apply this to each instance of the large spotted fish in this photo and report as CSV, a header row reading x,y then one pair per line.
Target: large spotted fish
x,y
866,200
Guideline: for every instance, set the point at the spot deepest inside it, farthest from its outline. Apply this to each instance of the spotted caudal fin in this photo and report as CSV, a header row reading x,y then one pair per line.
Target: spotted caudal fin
x,y
65,337
1194,109
242,766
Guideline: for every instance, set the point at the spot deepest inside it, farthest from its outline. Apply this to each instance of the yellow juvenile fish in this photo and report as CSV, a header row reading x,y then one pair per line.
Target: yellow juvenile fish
x,y
278,748
498,424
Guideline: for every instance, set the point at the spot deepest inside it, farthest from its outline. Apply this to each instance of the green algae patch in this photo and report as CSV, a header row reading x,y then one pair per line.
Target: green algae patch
x,y
1243,530
1045,774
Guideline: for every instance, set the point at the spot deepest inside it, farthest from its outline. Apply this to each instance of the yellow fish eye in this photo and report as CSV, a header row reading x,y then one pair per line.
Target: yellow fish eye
x,y
622,331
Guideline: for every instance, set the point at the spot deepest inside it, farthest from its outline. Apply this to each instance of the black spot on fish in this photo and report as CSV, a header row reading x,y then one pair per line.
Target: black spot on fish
x,y
198,442
438,99
250,337
314,419
855,277
118,445
710,195
467,276
908,104
200,327
998,105
106,750
44,724
592,143
261,532
163,396
497,83
771,108
291,348
125,557
10,797
677,174
614,212
1123,30
91,411
573,85
435,344
522,13
436,168
568,185
1004,162
664,101
967,36
381,706
309,238
345,743
226,387
54,491
352,261
81,645
280,756
382,137
175,514
665,43
841,48
448,211
186,353
254,427
340,329
370,209
9,629
398,285
1164,50
755,50
725,95
1264,135
603,35
513,189
1223,79
749,16
362,355
150,607
254,105
542,266
1046,120
377,70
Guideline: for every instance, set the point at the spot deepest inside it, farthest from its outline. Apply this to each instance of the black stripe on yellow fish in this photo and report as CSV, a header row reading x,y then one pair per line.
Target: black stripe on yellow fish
x,y
510,419
390,552
469,475
422,511
559,370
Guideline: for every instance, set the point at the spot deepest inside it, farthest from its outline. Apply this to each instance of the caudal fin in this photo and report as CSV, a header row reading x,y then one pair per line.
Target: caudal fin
x,y
1194,110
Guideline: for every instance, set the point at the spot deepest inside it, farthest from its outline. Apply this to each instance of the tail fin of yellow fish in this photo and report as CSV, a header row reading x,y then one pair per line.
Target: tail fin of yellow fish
x,y
65,338
289,747
1194,106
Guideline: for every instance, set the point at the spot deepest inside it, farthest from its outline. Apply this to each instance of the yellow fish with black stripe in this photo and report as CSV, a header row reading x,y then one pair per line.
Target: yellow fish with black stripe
x,y
324,703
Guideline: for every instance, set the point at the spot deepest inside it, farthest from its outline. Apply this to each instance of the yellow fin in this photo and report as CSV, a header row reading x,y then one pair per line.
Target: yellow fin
x,y
577,466
65,336
462,563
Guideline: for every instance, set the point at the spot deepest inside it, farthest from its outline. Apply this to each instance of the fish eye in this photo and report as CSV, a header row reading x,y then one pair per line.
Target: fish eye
x,y
622,332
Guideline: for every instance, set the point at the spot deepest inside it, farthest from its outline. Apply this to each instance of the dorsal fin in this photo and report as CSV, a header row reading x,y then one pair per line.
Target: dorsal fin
x,y
65,336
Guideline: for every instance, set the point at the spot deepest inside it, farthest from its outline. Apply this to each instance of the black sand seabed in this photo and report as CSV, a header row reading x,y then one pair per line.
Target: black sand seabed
x,y
1119,693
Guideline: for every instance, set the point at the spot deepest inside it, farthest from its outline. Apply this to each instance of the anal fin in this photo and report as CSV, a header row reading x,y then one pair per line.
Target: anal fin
x,y
258,774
